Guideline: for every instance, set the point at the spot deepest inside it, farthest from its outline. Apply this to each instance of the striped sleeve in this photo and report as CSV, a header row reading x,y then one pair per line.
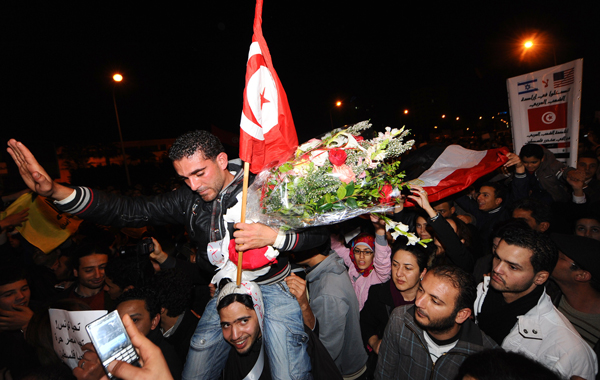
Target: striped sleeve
x,y
78,202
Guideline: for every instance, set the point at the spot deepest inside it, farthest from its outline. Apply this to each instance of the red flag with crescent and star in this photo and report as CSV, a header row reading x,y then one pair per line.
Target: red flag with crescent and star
x,y
267,132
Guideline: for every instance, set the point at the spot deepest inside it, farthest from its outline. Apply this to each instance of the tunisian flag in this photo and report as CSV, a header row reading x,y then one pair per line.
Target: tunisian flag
x,y
267,132
455,169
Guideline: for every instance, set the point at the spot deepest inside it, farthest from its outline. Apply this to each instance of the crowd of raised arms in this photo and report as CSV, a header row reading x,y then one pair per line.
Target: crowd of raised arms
x,y
507,288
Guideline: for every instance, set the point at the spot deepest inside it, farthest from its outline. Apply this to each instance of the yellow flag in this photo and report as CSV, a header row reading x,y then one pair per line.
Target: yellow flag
x,y
46,227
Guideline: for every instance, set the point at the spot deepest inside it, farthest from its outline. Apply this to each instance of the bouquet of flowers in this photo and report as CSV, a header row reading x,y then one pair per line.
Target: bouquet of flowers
x,y
332,179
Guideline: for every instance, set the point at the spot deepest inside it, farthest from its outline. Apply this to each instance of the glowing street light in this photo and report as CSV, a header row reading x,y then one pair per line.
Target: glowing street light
x,y
338,104
537,44
118,78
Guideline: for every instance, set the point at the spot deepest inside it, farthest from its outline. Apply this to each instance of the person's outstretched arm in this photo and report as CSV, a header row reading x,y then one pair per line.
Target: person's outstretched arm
x,y
34,175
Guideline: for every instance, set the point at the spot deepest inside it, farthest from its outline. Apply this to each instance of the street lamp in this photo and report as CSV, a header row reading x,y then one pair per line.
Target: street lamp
x,y
535,42
338,104
118,78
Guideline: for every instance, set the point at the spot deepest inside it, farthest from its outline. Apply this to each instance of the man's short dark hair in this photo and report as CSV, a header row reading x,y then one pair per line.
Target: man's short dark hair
x,y
588,154
421,253
544,252
499,364
532,150
500,191
11,273
540,211
244,299
88,250
190,143
174,290
142,294
462,281
445,200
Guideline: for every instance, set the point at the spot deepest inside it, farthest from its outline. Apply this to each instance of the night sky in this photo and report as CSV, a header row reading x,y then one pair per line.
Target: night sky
x,y
184,64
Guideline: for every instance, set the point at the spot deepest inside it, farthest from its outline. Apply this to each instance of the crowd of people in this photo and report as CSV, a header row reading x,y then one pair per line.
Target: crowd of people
x,y
508,287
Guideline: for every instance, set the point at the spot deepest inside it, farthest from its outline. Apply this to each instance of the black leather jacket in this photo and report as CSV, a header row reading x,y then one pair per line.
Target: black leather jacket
x,y
202,220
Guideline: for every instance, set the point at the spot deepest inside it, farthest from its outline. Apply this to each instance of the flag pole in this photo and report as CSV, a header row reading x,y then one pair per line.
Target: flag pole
x,y
243,218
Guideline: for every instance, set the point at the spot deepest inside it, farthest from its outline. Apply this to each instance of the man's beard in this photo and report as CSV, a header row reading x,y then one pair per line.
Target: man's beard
x,y
440,325
504,289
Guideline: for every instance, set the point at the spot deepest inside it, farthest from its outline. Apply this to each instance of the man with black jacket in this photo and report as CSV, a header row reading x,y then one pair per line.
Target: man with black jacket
x,y
214,184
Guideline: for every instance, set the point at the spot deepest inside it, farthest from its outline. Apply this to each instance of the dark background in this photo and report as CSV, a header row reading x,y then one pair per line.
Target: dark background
x,y
184,63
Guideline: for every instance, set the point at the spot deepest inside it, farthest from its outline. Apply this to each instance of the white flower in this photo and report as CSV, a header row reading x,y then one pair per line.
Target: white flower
x,y
318,157
412,239
339,140
310,144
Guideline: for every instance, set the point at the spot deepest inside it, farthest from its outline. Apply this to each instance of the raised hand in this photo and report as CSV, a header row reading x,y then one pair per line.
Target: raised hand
x,y
33,174
514,159
420,197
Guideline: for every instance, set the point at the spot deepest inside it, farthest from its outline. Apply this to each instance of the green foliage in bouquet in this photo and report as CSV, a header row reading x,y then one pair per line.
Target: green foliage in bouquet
x,y
340,172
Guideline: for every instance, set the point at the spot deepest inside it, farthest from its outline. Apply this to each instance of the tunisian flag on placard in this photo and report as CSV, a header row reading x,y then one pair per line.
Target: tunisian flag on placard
x,y
267,132
455,169
548,117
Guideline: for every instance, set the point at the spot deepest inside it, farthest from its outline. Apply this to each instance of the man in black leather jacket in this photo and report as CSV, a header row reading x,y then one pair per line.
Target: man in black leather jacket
x,y
213,184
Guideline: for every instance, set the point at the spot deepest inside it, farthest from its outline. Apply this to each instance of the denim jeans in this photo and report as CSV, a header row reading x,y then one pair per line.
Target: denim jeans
x,y
284,338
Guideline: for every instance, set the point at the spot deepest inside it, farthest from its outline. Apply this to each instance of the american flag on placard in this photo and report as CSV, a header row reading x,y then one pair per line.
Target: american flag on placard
x,y
564,78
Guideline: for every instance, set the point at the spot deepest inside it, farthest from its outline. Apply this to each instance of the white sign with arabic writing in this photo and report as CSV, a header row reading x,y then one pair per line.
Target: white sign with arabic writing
x,y
68,332
545,107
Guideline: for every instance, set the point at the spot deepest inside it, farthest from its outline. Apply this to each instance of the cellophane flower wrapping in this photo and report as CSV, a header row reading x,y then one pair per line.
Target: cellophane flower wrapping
x,y
331,179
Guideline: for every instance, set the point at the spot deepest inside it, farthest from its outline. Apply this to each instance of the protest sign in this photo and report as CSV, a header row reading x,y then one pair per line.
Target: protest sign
x,y
68,332
545,107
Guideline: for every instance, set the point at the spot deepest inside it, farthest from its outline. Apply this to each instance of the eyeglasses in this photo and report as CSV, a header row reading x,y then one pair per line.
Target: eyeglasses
x,y
362,253
572,265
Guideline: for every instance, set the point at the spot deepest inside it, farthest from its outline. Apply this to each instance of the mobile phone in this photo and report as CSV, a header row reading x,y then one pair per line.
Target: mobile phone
x,y
112,341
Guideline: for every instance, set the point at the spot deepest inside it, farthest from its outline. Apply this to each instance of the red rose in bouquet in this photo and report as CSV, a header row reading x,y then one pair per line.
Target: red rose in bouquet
x,y
337,157
386,194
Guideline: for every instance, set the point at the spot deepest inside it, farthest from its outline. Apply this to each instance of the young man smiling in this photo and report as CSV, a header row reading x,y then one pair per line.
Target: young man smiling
x,y
513,308
15,314
89,269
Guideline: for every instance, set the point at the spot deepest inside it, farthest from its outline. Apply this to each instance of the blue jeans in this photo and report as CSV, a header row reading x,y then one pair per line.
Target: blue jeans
x,y
284,338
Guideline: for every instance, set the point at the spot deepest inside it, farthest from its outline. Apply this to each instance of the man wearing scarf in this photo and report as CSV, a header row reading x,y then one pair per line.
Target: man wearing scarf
x,y
512,306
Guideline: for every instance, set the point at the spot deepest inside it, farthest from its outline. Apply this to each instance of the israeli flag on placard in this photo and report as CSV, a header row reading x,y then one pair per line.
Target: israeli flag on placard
x,y
527,86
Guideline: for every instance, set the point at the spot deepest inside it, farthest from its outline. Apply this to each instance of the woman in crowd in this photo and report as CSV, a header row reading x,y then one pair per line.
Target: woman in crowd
x,y
451,236
367,259
409,265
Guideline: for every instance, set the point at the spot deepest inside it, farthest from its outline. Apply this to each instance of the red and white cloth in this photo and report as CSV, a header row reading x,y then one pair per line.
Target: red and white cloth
x,y
456,168
267,132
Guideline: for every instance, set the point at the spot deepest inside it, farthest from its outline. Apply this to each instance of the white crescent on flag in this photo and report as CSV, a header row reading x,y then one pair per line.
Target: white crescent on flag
x,y
261,94
267,132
